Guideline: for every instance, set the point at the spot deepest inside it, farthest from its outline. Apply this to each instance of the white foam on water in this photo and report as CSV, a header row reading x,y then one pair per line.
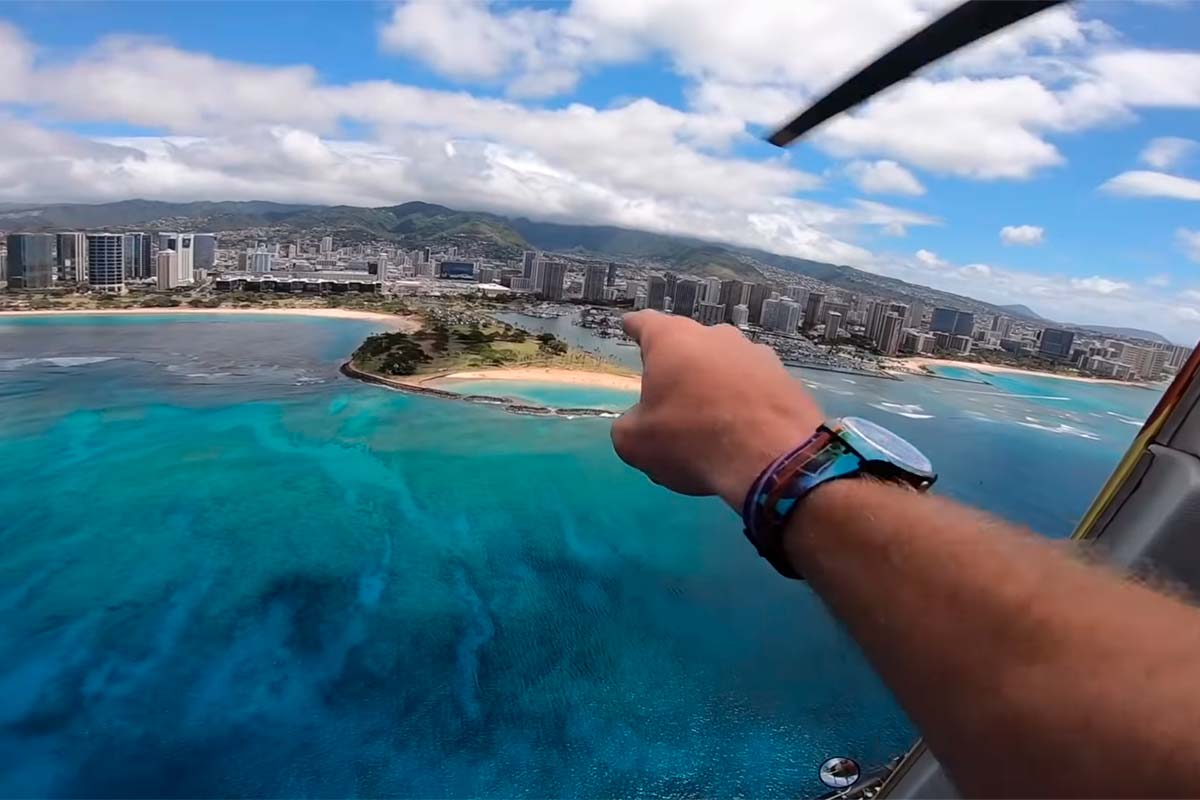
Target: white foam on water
x,y
1124,419
1009,394
9,364
912,411
849,380
1068,430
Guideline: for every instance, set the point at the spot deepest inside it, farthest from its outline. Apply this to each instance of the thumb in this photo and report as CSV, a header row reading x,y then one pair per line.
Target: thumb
x,y
625,434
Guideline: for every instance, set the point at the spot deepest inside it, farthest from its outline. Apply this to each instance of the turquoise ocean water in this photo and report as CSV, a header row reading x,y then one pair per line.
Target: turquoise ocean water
x,y
227,570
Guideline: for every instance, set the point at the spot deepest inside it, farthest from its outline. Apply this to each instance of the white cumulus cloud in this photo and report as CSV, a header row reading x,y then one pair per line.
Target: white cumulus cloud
x,y
1164,152
1026,235
1099,285
884,177
1144,183
1189,241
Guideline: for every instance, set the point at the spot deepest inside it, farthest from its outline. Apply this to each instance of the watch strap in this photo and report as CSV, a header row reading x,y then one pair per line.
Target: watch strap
x,y
773,497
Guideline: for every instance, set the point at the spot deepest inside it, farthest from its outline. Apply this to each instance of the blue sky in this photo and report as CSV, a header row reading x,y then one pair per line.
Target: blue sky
x,y
1075,132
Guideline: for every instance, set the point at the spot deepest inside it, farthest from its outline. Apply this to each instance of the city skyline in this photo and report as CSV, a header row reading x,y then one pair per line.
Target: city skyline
x,y
1053,164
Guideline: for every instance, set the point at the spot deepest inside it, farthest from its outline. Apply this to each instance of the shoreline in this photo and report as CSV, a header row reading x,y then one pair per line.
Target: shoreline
x,y
553,375
417,386
913,366
394,321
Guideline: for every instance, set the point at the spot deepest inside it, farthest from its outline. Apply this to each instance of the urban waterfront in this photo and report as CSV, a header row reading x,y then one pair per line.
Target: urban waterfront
x,y
256,577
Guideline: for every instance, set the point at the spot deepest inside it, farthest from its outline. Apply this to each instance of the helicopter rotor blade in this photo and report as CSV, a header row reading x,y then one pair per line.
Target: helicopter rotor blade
x,y
959,27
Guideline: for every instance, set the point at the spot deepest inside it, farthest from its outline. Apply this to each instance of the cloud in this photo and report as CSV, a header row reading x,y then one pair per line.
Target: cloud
x,y
244,131
1152,77
995,102
1164,152
930,259
985,128
1099,285
1189,242
1143,183
883,177
1026,235
1161,280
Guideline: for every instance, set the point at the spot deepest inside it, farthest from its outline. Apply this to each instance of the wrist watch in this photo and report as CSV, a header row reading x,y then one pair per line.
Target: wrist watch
x,y
841,448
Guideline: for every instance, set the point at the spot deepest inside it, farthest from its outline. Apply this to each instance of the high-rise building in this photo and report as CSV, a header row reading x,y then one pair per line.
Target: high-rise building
x,y
687,294
835,308
1002,326
790,318
960,344
187,255
260,261
887,340
833,326
730,296
139,263
915,317
1176,355
757,293
633,287
813,309
797,292
1145,363
3,266
610,278
327,246
1056,344
656,292
593,282
106,261
770,310
168,270
952,321
711,314
71,257
205,246
640,300
914,341
781,314
741,315
181,243
889,335
875,311
672,281
30,260
527,261
712,290
554,274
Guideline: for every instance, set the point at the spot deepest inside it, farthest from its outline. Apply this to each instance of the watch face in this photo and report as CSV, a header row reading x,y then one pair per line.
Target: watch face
x,y
888,445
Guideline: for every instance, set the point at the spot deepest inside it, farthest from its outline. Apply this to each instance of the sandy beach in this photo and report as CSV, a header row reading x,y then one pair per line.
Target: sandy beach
x,y
913,366
574,377
393,321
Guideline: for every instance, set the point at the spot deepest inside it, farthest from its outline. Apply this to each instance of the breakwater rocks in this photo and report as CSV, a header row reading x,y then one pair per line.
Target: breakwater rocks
x,y
504,403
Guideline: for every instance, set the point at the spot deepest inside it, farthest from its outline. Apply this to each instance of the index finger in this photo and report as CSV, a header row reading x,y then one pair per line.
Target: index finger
x,y
643,326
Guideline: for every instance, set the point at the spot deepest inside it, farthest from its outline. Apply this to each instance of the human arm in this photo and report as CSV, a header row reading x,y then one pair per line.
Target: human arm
x,y
1028,671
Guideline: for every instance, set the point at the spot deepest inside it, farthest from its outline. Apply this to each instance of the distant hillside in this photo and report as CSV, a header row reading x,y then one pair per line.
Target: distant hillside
x,y
1022,311
683,253
67,216
416,223
1129,333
